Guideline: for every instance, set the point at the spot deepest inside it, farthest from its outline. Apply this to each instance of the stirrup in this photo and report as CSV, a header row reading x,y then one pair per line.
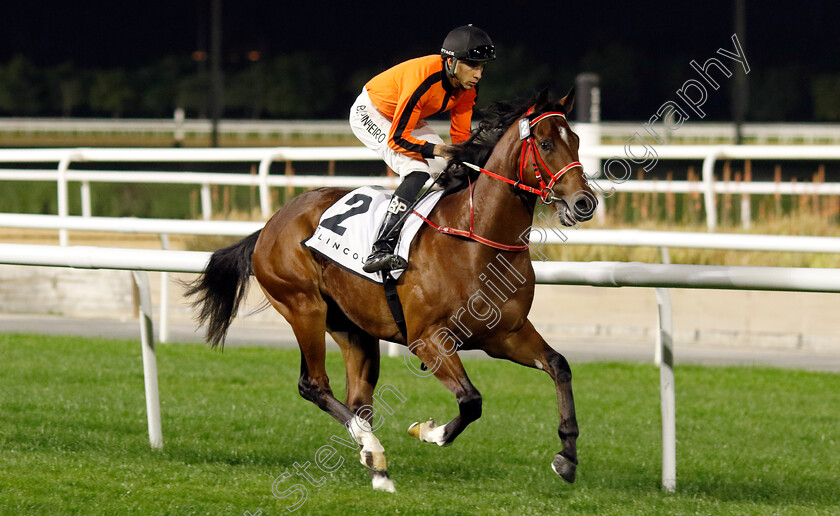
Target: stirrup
x,y
383,261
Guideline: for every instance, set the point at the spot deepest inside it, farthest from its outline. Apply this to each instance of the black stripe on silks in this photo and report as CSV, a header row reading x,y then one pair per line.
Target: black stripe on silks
x,y
445,102
402,123
449,89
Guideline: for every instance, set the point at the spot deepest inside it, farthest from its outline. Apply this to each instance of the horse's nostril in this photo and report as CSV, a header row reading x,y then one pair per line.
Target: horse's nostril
x,y
584,208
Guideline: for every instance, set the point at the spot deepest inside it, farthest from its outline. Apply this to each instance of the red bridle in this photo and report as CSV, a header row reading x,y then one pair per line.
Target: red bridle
x,y
531,154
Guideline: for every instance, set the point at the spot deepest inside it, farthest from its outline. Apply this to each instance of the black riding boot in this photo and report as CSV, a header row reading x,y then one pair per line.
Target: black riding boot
x,y
382,257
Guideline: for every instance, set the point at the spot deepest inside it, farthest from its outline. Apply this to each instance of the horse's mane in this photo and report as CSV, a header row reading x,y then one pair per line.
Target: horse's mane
x,y
477,149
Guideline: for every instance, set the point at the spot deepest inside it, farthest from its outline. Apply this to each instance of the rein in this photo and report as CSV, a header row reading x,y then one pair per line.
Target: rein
x,y
529,153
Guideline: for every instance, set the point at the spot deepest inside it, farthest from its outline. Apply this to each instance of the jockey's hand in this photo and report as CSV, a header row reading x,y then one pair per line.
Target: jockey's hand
x,y
444,151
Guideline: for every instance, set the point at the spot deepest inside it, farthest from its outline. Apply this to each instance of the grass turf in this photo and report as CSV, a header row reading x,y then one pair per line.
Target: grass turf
x,y
73,437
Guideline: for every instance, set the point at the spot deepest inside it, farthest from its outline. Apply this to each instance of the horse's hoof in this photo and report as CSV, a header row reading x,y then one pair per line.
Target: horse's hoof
x,y
564,467
417,430
429,432
373,460
382,482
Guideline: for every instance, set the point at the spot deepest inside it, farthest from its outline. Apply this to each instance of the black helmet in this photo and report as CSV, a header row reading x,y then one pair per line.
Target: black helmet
x,y
470,43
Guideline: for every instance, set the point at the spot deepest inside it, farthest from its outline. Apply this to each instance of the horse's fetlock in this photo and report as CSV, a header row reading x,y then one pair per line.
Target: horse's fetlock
x,y
305,391
470,405
355,405
310,391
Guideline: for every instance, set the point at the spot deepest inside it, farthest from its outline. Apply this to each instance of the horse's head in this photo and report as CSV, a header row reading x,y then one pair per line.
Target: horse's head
x,y
549,160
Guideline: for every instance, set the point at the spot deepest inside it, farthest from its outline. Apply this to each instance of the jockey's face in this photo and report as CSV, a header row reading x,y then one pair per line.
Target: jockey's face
x,y
467,73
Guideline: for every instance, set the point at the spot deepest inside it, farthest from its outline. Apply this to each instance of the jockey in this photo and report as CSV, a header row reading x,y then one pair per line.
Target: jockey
x,y
389,117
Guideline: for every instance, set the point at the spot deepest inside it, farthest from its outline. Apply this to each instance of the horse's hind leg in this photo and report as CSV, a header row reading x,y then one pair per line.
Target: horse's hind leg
x,y
527,347
361,360
309,324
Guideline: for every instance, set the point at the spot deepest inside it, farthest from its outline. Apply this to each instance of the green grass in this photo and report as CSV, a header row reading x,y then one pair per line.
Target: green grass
x,y
73,437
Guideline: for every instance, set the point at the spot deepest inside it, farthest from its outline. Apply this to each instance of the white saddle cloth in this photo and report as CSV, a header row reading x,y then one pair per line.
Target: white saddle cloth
x,y
349,227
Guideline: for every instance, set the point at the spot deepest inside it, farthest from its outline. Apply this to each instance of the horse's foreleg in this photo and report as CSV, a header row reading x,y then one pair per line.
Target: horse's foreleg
x,y
565,462
528,348
450,371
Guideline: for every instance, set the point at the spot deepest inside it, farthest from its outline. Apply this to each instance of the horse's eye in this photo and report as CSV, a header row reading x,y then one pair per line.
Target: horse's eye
x,y
545,144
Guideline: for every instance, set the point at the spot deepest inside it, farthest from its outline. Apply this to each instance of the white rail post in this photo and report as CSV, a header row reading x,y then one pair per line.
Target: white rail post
x,y
746,221
709,191
668,402
265,194
147,340
206,202
657,351
178,133
589,135
746,204
164,295
86,211
63,209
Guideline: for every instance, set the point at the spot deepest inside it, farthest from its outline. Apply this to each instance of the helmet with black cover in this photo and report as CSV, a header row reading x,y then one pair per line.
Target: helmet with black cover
x,y
468,43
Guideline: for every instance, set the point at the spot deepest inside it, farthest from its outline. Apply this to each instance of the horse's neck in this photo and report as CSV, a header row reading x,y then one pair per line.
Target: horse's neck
x,y
498,213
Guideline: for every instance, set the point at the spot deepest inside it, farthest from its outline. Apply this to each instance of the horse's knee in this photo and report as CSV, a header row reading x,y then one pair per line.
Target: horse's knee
x,y
470,405
560,367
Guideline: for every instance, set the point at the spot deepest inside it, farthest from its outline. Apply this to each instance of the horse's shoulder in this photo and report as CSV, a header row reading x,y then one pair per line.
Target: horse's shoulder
x,y
448,205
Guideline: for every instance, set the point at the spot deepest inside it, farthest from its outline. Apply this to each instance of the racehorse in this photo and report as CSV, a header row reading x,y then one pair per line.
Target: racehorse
x,y
523,155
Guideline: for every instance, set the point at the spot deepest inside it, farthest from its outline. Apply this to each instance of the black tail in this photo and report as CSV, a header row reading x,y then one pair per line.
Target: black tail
x,y
222,287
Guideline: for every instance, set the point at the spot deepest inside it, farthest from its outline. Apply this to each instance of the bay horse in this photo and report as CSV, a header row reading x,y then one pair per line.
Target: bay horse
x,y
522,155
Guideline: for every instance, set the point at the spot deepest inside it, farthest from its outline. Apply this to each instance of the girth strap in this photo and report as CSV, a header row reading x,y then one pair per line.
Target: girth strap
x,y
393,301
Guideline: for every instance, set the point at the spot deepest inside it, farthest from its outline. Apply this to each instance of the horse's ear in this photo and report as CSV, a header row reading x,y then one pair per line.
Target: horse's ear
x,y
542,100
568,102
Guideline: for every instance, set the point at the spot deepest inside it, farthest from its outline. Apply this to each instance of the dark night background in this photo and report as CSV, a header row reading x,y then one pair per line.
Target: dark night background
x,y
137,59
